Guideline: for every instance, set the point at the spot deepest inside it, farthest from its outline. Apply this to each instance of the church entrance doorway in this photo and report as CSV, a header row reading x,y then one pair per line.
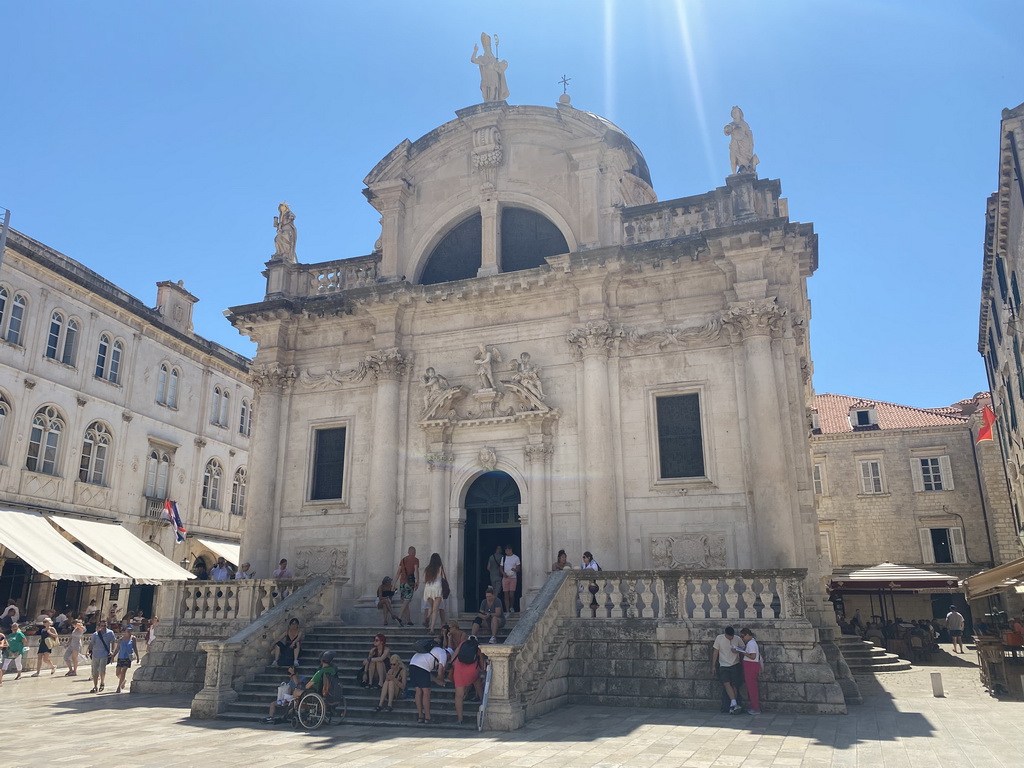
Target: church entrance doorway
x,y
492,520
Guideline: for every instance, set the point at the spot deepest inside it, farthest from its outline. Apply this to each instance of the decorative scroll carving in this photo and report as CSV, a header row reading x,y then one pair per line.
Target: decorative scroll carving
x,y
488,458
684,336
440,460
272,376
322,561
688,550
439,397
538,453
487,151
599,335
755,318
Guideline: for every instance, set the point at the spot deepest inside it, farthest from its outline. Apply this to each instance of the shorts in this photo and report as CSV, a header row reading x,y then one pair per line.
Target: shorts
x,y
124,663
733,674
956,633
418,677
478,621
7,662
99,665
405,590
286,699
508,584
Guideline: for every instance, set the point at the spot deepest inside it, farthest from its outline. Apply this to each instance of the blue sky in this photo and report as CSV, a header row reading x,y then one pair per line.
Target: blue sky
x,y
153,141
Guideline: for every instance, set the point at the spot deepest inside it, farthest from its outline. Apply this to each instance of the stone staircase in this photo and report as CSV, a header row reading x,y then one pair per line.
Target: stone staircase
x,y
866,658
351,644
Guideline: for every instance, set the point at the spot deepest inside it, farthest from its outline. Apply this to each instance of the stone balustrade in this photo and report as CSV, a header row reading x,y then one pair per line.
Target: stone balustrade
x,y
235,600
323,279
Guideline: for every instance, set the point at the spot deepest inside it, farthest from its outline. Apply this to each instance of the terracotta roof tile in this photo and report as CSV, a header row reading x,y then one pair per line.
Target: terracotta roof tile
x,y
834,414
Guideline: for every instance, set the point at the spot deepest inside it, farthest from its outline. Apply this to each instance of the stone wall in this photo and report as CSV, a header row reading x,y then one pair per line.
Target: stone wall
x,y
634,663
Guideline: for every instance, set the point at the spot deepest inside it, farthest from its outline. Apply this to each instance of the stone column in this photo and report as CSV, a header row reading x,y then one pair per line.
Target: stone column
x,y
772,487
537,558
440,464
262,515
490,238
388,368
600,527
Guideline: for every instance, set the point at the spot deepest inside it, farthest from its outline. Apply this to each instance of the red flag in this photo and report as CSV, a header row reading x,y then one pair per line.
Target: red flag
x,y
988,418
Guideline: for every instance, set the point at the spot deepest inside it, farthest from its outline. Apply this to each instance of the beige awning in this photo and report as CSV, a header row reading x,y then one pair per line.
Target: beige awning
x,y
227,550
1007,576
891,576
123,550
29,536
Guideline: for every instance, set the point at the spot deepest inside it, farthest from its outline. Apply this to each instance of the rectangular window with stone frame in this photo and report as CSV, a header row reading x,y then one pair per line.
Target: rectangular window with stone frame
x,y
328,463
818,477
931,473
871,476
942,545
680,440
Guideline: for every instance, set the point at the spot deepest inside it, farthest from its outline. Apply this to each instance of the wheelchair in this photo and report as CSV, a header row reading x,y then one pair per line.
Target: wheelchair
x,y
312,711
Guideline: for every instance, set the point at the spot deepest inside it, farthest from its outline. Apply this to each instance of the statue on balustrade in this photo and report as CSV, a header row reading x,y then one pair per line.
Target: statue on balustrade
x,y
741,145
284,241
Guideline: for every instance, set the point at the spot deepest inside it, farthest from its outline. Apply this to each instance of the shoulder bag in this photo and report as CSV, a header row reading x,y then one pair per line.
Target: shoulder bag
x,y
446,589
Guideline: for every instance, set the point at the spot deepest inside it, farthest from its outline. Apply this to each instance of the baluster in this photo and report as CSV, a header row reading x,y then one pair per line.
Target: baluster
x,y
647,606
687,601
705,602
767,597
631,599
731,598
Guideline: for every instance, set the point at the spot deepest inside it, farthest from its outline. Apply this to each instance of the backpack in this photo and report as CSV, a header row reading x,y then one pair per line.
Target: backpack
x,y
469,651
426,645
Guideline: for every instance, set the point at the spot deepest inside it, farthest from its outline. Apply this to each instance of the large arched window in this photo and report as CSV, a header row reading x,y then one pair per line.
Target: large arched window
x,y
108,359
62,341
44,441
238,492
12,315
93,466
211,484
457,256
158,468
527,239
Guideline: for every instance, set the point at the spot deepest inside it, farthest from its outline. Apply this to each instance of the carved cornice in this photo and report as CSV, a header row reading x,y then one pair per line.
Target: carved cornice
x,y
597,337
538,453
763,317
272,376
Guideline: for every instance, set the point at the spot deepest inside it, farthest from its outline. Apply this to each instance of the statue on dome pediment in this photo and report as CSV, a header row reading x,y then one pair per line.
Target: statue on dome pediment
x,y
485,360
741,144
492,70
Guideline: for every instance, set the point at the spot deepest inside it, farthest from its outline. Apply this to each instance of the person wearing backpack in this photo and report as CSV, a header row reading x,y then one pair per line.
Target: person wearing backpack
x,y
466,673
101,651
427,659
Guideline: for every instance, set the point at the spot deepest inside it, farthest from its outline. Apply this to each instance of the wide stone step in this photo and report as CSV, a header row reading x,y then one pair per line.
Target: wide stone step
x,y
384,719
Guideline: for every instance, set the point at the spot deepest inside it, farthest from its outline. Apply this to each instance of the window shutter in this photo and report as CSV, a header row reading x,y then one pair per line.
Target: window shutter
x,y
956,540
865,477
927,553
915,474
947,473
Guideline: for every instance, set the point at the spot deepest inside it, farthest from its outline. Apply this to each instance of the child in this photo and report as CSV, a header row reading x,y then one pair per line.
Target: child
x,y
125,650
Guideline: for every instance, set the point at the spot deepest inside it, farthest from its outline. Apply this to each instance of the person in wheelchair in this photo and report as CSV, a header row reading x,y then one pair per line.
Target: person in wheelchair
x,y
322,698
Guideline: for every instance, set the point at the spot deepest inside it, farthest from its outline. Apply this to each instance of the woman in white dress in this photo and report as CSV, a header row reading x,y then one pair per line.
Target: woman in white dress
x,y
74,648
432,590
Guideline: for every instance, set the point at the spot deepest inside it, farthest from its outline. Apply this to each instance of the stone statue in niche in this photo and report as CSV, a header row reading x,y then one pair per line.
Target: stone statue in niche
x,y
438,396
741,145
485,360
284,241
492,70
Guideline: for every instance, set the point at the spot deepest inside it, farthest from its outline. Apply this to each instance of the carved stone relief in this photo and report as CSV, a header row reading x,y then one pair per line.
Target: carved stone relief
x,y
688,550
273,376
488,458
755,317
322,561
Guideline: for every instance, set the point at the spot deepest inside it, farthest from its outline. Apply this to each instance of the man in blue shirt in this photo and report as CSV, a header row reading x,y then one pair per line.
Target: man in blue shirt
x,y
102,645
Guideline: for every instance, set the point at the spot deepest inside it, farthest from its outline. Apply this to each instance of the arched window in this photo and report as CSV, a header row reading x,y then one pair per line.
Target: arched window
x,y
220,406
211,484
12,314
5,420
62,341
238,492
158,468
93,466
108,359
245,418
44,441
167,386
527,238
457,256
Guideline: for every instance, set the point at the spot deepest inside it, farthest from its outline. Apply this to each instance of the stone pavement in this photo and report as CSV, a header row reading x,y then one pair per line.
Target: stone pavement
x,y
55,721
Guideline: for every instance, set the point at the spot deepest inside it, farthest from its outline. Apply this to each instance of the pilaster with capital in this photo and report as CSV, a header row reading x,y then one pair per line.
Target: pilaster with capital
x,y
388,367
270,382
774,505
599,515
389,198
440,464
538,458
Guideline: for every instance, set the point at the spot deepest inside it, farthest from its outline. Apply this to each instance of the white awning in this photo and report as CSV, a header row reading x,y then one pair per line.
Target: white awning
x,y
1008,576
227,550
30,537
123,550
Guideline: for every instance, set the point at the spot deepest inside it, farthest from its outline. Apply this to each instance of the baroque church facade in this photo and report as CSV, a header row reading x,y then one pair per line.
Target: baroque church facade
x,y
538,352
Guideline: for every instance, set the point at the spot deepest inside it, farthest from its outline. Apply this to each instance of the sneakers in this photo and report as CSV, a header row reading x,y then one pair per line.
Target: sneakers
x,y
735,709
493,640
753,711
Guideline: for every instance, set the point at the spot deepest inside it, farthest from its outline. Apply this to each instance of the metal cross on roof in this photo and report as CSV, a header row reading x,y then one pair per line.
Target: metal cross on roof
x,y
565,83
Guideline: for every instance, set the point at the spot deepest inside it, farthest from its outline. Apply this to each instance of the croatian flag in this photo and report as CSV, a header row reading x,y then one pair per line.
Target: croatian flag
x,y
171,516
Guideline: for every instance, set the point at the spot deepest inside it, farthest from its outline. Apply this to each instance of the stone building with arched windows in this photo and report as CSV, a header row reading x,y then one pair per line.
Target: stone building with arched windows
x,y
539,352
